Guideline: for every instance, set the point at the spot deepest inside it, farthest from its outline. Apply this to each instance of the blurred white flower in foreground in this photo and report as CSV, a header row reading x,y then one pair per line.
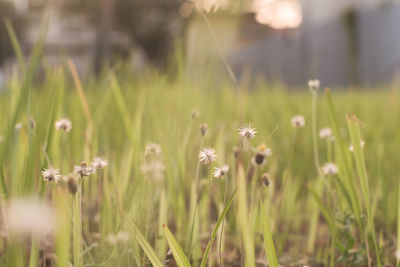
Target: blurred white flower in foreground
x,y
30,216
278,14
298,121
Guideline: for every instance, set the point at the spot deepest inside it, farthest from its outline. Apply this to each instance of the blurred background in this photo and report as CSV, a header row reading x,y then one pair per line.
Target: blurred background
x,y
341,42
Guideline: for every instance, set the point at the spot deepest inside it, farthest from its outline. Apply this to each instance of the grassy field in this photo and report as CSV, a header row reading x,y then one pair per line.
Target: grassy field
x,y
159,205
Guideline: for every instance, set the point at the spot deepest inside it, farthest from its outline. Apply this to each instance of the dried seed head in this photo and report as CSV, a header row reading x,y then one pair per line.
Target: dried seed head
x,y
236,152
265,178
245,131
72,184
51,175
194,114
203,129
298,121
83,170
152,150
33,123
207,155
313,85
325,133
99,163
262,151
221,172
330,168
63,124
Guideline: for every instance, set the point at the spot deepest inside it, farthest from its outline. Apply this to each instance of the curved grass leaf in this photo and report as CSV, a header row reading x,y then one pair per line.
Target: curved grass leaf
x,y
176,249
214,233
148,250
268,240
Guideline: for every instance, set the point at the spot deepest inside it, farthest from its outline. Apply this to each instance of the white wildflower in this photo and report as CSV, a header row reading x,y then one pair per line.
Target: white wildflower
x,y
220,172
63,124
207,155
325,133
298,121
83,170
313,84
152,149
51,175
330,168
99,163
246,131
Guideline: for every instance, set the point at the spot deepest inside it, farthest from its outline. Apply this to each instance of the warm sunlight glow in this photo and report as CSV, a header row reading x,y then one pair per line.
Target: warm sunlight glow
x,y
278,14
211,5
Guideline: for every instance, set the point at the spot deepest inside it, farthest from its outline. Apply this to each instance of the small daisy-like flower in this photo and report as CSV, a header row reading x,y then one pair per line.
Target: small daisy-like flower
x,y
220,172
99,163
246,131
63,124
207,155
325,133
152,149
351,147
298,121
51,175
83,170
313,84
330,168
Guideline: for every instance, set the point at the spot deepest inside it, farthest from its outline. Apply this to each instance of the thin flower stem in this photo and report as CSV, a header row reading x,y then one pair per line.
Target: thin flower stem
x,y
314,131
209,209
62,149
221,262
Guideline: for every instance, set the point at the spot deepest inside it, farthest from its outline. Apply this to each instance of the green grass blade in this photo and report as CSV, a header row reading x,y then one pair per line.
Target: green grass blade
x,y
215,231
176,249
243,221
268,240
15,44
148,250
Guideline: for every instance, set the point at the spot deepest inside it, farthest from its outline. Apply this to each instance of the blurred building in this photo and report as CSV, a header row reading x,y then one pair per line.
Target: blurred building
x,y
341,42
